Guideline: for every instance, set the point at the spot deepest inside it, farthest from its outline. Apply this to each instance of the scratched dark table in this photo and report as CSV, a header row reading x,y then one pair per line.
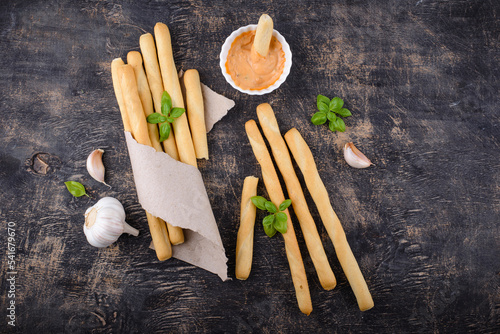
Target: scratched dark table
x,y
421,78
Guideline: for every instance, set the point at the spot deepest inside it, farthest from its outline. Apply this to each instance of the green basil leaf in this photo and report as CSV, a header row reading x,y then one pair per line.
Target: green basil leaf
x,y
318,118
271,207
322,100
344,112
339,125
336,104
170,119
268,220
177,112
331,116
76,188
331,126
166,103
286,203
269,228
280,223
259,202
164,131
156,118
323,107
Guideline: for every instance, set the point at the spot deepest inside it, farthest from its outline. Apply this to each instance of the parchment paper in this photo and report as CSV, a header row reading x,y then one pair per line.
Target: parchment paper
x,y
175,192
216,106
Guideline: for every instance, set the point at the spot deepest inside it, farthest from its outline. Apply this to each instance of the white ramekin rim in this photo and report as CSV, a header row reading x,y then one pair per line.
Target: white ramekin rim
x,y
225,50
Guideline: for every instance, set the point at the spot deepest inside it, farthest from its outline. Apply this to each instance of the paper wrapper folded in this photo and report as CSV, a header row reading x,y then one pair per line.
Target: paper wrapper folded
x,y
175,192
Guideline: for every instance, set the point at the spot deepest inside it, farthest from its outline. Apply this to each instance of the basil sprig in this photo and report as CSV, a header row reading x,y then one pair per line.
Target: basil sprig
x,y
331,111
167,116
76,188
276,220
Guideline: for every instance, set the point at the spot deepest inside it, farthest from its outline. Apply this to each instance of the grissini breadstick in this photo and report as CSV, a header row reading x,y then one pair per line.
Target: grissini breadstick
x,y
133,105
275,192
279,149
196,113
304,158
171,84
115,64
160,237
139,130
263,35
175,234
148,49
134,58
244,241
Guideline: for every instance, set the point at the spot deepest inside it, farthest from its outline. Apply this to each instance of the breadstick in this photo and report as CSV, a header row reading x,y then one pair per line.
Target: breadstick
x,y
117,62
171,84
271,130
135,60
159,234
149,54
244,241
148,50
196,113
139,131
133,105
176,234
263,35
274,190
304,158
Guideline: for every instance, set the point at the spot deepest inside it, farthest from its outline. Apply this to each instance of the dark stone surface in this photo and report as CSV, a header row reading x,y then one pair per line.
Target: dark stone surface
x,y
421,79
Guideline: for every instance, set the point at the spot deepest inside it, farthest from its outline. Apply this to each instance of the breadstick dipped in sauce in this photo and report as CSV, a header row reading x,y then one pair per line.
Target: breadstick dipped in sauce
x,y
256,58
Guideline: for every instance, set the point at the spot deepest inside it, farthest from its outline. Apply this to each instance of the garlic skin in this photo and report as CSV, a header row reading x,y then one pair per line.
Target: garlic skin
x,y
95,166
354,157
105,222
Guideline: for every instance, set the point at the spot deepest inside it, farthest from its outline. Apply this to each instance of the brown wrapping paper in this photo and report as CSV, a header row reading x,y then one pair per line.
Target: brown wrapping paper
x,y
175,192
216,106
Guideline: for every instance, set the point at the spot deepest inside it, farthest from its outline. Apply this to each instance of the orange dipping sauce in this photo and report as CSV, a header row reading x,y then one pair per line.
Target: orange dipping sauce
x,y
248,69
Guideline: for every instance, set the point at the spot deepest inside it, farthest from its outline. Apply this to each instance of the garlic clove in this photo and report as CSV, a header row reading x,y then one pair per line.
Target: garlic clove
x,y
354,157
95,167
105,222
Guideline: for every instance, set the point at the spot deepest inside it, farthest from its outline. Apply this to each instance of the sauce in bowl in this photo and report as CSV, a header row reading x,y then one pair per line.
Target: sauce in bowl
x,y
248,69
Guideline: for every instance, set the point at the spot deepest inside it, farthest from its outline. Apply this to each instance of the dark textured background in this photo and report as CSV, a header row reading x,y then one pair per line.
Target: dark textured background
x,y
422,80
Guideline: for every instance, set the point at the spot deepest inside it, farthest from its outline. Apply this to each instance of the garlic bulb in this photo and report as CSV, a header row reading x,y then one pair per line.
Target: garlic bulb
x,y
354,157
105,222
95,166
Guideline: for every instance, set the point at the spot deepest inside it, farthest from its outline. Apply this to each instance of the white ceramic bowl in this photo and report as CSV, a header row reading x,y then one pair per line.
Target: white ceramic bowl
x,y
225,50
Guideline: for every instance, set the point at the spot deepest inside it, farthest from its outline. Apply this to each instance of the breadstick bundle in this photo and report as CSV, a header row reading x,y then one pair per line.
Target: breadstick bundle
x,y
139,88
